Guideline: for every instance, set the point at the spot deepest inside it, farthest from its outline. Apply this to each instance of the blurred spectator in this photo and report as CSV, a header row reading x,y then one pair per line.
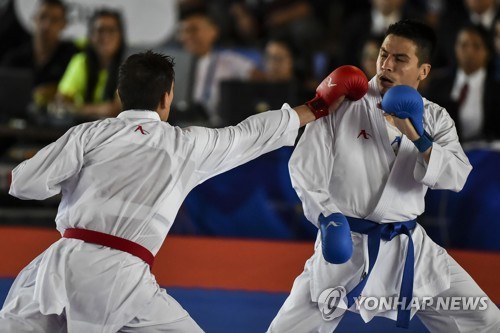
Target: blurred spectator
x,y
295,19
198,33
482,12
246,28
369,22
88,88
280,61
12,33
369,55
299,21
433,11
219,11
45,54
496,58
469,91
456,15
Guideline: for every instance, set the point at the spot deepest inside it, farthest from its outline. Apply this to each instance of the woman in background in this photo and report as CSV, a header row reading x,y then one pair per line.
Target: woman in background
x,y
369,55
88,87
468,90
283,62
279,61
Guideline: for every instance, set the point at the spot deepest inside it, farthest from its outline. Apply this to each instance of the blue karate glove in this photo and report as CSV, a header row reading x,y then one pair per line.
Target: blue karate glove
x,y
336,238
405,102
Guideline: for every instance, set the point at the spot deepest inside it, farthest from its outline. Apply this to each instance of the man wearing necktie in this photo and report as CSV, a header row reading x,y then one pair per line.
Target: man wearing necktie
x,y
198,34
469,91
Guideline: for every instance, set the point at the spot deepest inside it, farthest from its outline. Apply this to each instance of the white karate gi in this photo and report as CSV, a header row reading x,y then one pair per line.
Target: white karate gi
x,y
124,176
345,163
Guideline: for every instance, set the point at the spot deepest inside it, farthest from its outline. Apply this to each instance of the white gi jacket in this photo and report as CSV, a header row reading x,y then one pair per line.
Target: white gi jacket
x,y
126,176
345,163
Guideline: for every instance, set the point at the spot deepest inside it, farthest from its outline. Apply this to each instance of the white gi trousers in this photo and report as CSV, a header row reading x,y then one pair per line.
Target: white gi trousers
x,y
31,306
299,314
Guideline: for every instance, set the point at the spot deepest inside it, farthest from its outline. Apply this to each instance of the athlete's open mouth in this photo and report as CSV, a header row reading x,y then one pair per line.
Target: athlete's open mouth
x,y
385,79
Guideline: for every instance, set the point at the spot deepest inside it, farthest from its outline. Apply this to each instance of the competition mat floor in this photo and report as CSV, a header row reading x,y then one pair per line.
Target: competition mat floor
x,y
232,285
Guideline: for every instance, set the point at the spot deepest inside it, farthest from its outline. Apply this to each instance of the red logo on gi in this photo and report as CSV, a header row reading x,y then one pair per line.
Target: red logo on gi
x,y
143,131
364,134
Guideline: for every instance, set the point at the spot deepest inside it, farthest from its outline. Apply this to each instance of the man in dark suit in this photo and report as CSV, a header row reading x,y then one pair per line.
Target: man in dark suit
x,y
469,91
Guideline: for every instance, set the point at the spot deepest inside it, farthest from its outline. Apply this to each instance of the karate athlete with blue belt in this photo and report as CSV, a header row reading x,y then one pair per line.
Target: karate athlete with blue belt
x,y
362,173
122,181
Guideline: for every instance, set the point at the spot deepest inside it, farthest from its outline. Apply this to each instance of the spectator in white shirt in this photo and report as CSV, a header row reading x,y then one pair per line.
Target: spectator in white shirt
x,y
469,91
198,34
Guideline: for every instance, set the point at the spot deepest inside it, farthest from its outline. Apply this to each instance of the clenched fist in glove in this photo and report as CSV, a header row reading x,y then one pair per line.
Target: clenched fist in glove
x,y
336,241
405,102
348,81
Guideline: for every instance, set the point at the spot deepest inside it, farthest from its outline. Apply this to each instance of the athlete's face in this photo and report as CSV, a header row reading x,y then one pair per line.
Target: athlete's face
x,y
397,64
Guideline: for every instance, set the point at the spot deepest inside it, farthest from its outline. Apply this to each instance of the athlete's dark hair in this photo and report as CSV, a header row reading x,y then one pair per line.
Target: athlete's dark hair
x,y
144,79
421,34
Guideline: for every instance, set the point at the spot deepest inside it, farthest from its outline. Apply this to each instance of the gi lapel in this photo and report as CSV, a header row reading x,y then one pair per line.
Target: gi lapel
x,y
405,160
402,161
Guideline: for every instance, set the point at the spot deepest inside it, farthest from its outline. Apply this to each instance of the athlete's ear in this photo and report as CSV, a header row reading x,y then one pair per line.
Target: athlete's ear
x,y
424,71
163,100
168,97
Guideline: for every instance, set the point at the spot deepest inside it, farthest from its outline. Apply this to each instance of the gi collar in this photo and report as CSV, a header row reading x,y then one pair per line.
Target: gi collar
x,y
140,114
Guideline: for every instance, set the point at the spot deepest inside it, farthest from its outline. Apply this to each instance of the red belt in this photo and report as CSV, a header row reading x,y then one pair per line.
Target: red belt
x,y
114,242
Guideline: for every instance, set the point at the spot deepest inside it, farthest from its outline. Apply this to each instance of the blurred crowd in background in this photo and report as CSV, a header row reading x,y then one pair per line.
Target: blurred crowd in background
x,y
238,57
261,41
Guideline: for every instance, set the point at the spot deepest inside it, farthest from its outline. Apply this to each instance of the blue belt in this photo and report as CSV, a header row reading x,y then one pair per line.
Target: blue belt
x,y
387,231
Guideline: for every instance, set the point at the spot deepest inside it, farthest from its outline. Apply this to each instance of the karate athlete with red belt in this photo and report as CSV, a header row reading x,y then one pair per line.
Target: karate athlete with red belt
x,y
362,175
122,181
